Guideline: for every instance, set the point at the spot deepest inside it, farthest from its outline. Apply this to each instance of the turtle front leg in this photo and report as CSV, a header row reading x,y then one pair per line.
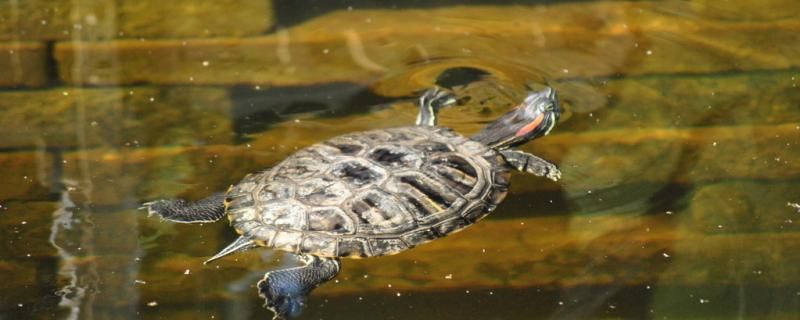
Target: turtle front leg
x,y
209,209
527,162
429,104
285,290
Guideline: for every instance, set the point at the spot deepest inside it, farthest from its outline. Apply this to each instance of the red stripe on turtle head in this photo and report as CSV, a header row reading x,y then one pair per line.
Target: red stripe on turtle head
x,y
530,126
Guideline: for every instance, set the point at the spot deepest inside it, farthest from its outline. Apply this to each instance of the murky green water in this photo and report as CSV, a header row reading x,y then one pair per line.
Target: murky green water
x,y
679,145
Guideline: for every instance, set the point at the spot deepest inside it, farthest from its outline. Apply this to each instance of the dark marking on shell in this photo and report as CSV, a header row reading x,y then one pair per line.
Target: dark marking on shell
x,y
345,148
322,192
389,158
475,213
419,210
356,173
272,190
419,236
331,220
458,163
386,246
433,192
432,146
450,226
314,244
380,212
299,169
353,247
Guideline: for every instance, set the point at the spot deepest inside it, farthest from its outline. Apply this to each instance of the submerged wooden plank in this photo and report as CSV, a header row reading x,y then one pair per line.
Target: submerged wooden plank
x,y
23,64
26,175
590,161
563,40
108,19
555,252
681,101
118,117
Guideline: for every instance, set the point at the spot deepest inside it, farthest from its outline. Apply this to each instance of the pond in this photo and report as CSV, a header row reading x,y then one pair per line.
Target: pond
x,y
678,143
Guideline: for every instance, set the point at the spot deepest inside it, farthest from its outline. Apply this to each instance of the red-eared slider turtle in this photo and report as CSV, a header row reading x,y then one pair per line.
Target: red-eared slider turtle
x,y
372,193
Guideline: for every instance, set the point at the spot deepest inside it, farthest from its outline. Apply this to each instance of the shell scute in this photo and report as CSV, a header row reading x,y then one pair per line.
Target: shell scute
x,y
322,191
330,220
353,247
284,215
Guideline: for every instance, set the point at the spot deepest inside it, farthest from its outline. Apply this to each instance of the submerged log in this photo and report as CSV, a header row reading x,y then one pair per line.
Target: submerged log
x,y
564,40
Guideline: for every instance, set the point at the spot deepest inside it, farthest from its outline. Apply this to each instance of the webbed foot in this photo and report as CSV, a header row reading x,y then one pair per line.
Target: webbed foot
x,y
285,291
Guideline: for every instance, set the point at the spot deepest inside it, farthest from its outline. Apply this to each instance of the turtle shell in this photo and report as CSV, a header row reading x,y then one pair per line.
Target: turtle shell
x,y
370,193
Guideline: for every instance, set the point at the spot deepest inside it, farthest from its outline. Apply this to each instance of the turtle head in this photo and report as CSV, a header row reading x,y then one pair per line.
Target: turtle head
x,y
532,118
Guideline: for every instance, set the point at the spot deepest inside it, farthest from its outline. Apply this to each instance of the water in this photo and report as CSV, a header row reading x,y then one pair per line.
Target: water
x,y
679,148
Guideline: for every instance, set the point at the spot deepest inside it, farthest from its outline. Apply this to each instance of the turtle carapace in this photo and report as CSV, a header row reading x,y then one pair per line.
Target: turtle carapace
x,y
372,193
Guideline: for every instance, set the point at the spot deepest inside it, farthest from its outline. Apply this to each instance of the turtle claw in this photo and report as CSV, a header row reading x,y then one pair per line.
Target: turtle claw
x,y
553,173
148,206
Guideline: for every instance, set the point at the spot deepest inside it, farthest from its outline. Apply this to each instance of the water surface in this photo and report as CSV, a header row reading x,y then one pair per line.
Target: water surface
x,y
678,145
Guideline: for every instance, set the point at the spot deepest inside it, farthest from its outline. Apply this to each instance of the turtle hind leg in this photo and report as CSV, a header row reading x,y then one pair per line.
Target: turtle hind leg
x,y
178,210
285,290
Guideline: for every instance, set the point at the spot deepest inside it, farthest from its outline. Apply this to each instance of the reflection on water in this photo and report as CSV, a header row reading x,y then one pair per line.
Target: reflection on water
x,y
678,146
67,229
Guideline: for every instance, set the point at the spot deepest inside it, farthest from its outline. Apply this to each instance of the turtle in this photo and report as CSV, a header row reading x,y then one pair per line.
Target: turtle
x,y
372,193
